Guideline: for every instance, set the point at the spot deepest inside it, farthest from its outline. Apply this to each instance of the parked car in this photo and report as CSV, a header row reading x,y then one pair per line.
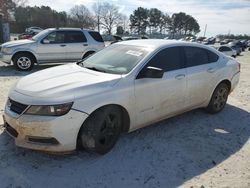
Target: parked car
x,y
52,46
235,47
111,39
26,35
225,41
33,30
209,41
121,88
227,51
241,45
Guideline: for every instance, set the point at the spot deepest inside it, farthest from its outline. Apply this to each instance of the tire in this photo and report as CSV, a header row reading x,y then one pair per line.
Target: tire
x,y
218,99
23,61
101,130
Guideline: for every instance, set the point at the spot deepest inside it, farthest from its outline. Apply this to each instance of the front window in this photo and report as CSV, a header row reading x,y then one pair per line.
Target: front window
x,y
40,35
116,59
56,37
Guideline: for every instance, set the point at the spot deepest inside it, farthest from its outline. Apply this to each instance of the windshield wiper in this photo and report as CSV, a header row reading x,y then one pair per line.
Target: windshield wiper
x,y
95,69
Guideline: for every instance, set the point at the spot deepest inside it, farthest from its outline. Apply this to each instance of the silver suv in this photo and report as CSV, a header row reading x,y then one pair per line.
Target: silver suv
x,y
52,45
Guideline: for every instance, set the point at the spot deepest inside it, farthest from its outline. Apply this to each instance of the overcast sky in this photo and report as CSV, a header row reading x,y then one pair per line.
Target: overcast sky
x,y
221,16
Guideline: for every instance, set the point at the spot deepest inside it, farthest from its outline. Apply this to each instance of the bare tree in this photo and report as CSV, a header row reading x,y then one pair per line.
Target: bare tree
x,y
81,17
97,11
109,16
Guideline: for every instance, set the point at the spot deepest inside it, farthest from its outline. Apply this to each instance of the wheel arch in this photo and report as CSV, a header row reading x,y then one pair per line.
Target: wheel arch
x,y
227,82
23,51
125,119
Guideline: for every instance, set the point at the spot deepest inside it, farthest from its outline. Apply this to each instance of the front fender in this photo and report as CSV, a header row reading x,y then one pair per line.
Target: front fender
x,y
24,49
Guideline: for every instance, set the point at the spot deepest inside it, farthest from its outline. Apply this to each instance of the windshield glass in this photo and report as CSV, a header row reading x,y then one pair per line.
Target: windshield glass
x,y
116,59
41,34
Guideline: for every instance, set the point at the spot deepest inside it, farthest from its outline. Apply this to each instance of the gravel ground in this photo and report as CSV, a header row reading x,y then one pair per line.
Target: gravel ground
x,y
191,150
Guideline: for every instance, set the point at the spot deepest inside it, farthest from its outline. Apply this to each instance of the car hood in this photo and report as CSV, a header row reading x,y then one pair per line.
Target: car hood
x,y
17,43
62,84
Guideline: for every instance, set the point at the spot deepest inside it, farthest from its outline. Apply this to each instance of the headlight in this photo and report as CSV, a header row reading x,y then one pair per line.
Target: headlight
x,y
51,110
6,50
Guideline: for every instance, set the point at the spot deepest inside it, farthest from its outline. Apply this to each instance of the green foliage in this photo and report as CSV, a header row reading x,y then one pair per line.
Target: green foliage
x,y
182,23
43,17
139,20
156,21
237,37
119,30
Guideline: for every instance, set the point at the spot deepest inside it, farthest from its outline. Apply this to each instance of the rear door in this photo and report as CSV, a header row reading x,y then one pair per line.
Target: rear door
x,y
201,74
158,97
76,45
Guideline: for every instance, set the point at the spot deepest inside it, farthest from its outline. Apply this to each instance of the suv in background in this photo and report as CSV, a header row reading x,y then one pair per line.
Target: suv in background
x,y
52,45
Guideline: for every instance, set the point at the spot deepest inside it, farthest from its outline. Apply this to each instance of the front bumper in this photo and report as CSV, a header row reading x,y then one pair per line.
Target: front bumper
x,y
6,58
45,133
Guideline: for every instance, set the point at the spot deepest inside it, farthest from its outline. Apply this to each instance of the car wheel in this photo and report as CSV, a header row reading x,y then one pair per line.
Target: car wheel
x,y
219,99
23,61
101,130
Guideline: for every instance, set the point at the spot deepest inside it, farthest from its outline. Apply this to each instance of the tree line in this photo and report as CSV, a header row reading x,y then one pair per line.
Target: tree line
x,y
103,16
154,20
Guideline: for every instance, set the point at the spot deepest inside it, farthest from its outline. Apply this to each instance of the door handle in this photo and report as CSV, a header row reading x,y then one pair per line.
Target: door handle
x,y
211,70
180,76
85,44
63,45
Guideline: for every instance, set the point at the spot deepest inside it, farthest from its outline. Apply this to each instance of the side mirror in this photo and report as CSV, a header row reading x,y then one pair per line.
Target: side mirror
x,y
150,72
45,41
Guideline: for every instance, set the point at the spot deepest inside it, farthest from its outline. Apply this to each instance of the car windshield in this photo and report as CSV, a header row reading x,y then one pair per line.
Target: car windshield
x,y
39,35
116,59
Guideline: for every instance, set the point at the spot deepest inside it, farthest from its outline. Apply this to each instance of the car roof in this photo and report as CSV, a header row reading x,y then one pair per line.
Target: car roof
x,y
70,29
159,43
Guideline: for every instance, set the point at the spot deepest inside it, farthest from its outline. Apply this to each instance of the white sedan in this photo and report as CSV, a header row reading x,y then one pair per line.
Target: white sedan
x,y
227,51
124,87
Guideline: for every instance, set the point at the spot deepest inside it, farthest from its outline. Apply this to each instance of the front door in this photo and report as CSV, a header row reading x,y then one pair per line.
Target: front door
x,y
52,48
157,98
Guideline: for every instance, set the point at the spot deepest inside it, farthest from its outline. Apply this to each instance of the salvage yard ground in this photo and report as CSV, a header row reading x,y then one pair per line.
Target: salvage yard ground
x,y
192,150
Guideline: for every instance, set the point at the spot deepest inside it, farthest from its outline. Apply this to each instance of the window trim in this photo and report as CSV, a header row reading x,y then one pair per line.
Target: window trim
x,y
204,49
83,42
181,50
66,32
41,41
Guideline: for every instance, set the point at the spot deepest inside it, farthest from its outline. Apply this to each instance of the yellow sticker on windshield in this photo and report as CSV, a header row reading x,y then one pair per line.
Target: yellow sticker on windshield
x,y
134,53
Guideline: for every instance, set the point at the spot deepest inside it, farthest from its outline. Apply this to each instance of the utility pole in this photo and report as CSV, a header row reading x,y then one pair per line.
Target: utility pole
x,y
205,30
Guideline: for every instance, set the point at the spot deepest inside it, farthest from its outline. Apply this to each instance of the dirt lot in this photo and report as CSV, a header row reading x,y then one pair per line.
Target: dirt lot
x,y
192,150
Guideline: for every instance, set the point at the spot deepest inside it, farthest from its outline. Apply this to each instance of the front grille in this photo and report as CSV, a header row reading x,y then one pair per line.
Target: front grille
x,y
17,107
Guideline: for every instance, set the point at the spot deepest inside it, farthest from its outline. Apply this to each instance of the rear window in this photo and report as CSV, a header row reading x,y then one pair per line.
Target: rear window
x,y
95,35
212,57
195,56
